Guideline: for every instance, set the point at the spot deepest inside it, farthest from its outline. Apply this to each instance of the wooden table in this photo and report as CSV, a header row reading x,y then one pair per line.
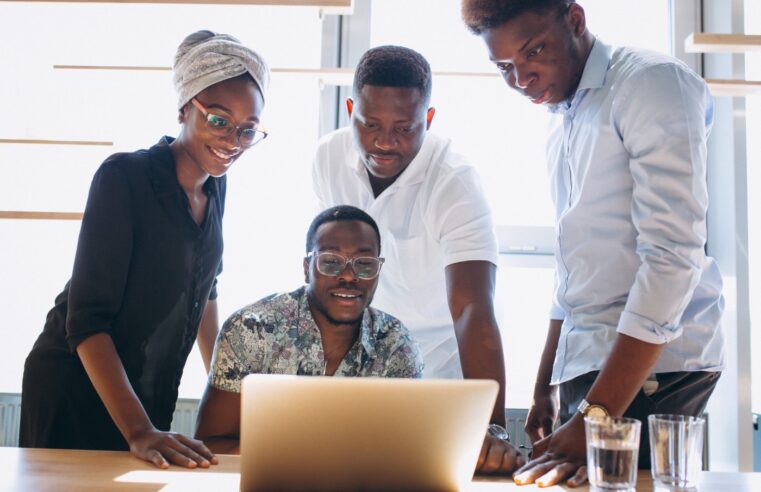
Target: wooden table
x,y
73,470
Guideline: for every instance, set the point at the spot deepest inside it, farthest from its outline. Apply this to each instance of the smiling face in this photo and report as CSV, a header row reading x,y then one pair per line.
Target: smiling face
x,y
237,100
388,125
541,54
342,299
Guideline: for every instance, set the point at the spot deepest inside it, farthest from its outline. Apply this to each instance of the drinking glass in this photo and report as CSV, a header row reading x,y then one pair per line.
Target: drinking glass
x,y
612,451
676,449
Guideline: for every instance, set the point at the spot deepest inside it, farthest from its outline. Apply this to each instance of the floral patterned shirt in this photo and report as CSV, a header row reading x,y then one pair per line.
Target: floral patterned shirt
x,y
277,335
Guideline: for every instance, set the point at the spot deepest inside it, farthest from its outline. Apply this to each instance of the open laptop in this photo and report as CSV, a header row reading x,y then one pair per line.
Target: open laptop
x,y
326,433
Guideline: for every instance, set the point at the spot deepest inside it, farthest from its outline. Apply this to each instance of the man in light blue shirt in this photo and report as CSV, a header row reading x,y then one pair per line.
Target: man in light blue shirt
x,y
635,321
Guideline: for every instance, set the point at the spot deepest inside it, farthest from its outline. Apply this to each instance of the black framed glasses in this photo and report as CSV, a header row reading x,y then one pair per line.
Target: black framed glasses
x,y
222,126
333,265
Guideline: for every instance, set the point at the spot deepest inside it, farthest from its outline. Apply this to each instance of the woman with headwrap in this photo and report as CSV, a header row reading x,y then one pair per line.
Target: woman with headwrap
x,y
104,372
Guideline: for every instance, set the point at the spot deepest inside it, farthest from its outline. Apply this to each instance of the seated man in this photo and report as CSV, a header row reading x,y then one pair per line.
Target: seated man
x,y
325,328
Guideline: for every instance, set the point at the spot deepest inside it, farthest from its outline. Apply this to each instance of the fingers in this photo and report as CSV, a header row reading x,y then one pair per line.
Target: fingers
x,y
199,449
533,431
537,430
540,447
498,456
532,425
533,470
512,461
155,457
557,474
579,478
547,427
163,448
178,458
549,470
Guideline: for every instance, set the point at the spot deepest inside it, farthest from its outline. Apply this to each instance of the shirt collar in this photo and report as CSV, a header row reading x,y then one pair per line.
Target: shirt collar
x,y
164,174
367,332
596,67
593,76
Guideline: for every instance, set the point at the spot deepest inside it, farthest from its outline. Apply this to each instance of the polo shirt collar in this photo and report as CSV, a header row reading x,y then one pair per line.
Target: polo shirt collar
x,y
415,171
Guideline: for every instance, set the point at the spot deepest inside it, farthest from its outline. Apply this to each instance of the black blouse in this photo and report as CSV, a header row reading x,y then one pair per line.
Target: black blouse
x,y
142,273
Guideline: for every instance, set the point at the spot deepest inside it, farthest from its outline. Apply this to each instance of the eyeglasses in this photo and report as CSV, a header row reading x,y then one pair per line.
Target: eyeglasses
x,y
333,265
223,127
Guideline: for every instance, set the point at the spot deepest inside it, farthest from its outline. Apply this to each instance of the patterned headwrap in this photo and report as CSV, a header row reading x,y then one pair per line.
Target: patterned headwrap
x,y
205,58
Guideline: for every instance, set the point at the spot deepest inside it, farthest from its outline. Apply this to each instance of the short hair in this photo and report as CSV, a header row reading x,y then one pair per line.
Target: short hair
x,y
335,214
481,15
393,66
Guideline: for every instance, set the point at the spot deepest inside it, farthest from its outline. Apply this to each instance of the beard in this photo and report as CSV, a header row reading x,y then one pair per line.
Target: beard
x,y
333,321
316,305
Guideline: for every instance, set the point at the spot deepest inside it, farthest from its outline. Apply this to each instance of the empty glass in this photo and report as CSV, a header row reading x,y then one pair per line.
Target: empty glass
x,y
612,450
676,449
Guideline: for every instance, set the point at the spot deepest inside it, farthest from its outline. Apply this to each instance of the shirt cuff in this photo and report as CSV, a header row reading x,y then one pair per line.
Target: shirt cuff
x,y
646,330
490,256
556,312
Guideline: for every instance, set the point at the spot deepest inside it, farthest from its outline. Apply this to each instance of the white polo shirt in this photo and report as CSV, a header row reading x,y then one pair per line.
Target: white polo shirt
x,y
434,215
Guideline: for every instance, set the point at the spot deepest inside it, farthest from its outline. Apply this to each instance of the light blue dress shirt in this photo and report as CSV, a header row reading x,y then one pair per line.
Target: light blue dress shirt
x,y
627,165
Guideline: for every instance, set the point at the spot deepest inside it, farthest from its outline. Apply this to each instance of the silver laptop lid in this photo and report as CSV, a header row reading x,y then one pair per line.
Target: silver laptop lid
x,y
326,433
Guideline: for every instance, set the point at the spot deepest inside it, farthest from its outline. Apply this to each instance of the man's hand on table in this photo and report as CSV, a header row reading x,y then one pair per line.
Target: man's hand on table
x,y
560,456
542,414
162,448
498,456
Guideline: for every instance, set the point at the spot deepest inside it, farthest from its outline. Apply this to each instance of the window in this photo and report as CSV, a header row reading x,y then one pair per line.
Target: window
x,y
269,197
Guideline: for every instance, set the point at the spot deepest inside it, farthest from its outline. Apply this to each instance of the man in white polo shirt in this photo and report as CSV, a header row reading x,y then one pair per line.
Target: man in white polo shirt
x,y
438,239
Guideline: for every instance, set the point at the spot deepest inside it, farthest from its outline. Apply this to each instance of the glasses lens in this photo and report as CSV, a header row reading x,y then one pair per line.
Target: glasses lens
x,y
251,136
330,264
218,124
366,266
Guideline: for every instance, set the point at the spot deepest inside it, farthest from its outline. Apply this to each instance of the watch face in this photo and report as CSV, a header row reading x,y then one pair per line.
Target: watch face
x,y
596,411
498,431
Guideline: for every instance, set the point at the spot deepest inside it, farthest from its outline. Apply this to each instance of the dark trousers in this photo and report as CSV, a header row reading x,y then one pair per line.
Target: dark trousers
x,y
682,393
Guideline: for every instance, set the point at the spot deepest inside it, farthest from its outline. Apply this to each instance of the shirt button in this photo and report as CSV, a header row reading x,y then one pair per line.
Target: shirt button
x,y
195,304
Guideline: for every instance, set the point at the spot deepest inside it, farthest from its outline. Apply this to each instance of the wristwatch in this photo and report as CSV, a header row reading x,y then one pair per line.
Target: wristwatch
x,y
587,409
496,430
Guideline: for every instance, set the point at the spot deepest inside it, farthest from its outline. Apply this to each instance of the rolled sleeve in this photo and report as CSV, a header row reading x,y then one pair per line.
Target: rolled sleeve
x,y
667,149
102,260
645,329
557,312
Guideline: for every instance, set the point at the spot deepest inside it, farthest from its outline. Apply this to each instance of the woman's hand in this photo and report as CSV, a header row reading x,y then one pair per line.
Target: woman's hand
x,y
162,448
105,370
